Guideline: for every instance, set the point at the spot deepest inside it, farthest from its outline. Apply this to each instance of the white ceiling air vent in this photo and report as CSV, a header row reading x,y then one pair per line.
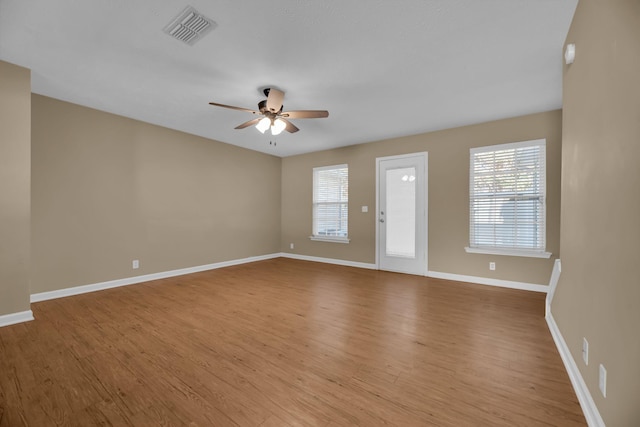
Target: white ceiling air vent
x,y
189,26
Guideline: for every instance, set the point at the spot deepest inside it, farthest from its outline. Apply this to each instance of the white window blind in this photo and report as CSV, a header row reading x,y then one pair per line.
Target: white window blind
x,y
507,196
330,201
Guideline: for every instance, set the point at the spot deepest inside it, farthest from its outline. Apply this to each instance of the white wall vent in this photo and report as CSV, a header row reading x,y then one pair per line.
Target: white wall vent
x,y
189,26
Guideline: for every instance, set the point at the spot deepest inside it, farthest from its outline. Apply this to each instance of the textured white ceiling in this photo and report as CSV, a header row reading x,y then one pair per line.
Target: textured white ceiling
x,y
382,68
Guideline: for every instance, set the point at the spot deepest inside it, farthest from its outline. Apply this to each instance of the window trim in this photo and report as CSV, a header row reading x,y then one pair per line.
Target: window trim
x,y
507,251
322,238
334,239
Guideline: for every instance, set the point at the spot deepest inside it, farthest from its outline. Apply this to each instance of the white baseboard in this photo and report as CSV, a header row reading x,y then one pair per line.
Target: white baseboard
x,y
553,284
587,404
77,290
329,261
13,318
434,274
488,281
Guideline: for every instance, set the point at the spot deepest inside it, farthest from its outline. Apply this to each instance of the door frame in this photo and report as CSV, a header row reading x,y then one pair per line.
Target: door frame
x,y
425,158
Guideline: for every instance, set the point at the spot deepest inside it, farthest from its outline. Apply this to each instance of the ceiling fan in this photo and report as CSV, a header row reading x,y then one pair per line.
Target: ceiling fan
x,y
272,115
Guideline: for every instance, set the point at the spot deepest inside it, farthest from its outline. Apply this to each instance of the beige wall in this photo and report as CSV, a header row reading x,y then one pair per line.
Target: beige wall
x,y
107,190
15,178
448,174
598,295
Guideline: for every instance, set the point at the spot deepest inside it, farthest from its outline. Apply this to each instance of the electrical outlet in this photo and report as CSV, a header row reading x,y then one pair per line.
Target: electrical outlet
x,y
603,380
290,245
135,264
492,266
585,351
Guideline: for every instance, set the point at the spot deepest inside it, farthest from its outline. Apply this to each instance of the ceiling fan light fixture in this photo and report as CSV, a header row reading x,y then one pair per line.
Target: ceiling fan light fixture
x,y
273,115
278,126
263,124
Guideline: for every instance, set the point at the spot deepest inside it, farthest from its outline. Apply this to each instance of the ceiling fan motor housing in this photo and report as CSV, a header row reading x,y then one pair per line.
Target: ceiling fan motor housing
x,y
262,107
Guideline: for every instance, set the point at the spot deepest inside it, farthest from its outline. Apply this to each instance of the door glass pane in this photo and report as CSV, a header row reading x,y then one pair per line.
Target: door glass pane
x,y
400,216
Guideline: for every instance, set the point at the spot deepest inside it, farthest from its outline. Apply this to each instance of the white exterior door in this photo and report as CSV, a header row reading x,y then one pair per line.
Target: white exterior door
x,y
402,213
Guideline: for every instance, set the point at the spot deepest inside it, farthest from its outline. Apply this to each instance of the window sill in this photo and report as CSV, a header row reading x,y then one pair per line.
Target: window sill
x,y
508,252
333,239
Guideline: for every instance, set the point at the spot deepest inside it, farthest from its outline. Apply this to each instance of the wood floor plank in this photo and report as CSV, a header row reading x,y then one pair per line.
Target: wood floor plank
x,y
287,343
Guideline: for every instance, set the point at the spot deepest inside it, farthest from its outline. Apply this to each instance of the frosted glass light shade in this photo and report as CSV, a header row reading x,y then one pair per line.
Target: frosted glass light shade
x,y
278,126
263,125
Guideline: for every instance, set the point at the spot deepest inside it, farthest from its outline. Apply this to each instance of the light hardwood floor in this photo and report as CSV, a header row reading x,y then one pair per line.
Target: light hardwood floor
x,y
287,343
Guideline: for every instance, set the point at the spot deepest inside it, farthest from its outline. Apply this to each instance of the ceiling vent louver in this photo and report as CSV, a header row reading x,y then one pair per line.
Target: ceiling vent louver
x,y
189,26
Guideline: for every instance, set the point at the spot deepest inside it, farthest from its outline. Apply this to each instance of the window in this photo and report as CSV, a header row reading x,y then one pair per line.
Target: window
x,y
507,199
330,203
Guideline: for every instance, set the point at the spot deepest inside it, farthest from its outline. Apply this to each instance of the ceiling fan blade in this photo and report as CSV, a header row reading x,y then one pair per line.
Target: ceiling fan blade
x,y
249,123
274,100
234,108
305,114
291,128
